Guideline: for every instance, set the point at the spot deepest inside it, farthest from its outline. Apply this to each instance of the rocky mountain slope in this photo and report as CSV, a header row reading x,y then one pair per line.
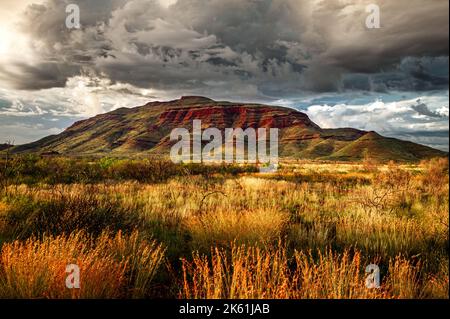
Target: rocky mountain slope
x,y
146,130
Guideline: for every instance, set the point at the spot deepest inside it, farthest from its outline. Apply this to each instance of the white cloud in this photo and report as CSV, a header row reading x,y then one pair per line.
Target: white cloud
x,y
379,115
167,3
399,118
83,96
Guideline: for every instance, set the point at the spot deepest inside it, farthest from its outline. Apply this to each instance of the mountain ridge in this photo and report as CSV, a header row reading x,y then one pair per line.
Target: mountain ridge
x,y
146,130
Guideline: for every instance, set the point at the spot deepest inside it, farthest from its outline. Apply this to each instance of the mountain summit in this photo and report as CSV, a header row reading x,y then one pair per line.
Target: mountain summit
x,y
146,130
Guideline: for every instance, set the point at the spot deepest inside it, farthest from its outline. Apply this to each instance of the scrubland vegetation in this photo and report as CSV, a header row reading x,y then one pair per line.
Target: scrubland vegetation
x,y
150,229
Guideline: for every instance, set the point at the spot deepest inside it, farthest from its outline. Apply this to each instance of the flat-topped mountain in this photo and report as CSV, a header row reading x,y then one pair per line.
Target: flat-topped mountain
x,y
146,130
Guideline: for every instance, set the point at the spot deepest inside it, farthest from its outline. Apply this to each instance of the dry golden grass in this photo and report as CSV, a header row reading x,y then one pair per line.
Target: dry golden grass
x,y
346,215
108,265
222,227
36,269
267,273
141,258
331,275
250,273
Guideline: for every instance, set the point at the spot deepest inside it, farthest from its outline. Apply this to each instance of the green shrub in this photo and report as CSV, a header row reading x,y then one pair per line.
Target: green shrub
x,y
65,213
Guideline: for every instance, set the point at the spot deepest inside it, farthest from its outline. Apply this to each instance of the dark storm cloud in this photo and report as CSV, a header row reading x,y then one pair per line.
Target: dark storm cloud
x,y
412,28
41,76
423,109
275,46
411,74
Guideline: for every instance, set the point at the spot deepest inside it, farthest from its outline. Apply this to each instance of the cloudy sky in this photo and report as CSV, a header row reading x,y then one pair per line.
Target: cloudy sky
x,y
314,55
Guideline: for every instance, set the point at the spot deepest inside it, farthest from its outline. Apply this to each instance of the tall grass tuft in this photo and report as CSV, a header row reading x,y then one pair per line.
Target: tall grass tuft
x,y
110,267
249,273
261,273
142,261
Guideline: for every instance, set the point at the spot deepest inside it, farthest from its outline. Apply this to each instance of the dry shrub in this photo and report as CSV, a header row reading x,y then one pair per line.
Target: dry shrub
x,y
390,190
369,164
37,268
435,177
148,171
65,212
394,178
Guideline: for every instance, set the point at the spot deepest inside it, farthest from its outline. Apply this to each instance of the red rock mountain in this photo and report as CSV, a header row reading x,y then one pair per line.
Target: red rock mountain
x,y
146,130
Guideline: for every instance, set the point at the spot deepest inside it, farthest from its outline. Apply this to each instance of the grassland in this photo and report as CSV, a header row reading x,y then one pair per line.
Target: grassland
x,y
149,229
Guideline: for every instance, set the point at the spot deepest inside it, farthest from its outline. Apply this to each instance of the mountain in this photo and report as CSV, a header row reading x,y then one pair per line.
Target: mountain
x,y
146,130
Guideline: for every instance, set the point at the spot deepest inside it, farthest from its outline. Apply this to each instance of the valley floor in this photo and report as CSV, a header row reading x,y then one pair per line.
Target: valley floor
x,y
146,229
